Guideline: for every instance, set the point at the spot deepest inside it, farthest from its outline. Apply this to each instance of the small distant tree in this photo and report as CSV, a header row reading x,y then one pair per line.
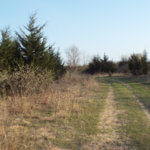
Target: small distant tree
x,y
135,64
123,61
138,64
112,67
105,67
144,63
94,65
123,65
98,65
73,57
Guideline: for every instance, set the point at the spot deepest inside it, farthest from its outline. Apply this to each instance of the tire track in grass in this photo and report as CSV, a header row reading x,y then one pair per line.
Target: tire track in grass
x,y
135,124
137,99
109,137
109,125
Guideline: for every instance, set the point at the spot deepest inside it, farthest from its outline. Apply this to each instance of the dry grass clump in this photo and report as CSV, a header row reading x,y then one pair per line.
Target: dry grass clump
x,y
22,89
24,81
64,95
31,101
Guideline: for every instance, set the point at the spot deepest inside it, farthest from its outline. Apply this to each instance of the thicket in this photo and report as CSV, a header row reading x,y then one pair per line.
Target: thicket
x,y
98,65
123,66
29,48
138,64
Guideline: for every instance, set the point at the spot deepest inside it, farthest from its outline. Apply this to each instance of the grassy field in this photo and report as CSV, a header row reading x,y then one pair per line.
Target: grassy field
x,y
79,113
140,87
66,115
135,124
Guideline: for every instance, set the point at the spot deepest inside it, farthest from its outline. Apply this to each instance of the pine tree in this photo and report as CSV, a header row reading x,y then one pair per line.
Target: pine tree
x,y
135,65
34,49
32,43
10,55
52,61
144,63
138,64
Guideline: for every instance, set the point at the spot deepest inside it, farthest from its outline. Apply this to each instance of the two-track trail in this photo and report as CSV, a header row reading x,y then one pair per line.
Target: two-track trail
x,y
109,137
109,125
137,99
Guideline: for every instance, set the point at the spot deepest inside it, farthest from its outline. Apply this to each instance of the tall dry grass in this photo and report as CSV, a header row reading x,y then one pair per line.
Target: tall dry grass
x,y
30,97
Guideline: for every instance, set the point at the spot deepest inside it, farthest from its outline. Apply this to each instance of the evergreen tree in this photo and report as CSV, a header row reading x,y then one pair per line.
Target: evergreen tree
x,y
138,64
32,43
98,65
34,49
123,65
105,64
59,69
10,55
144,63
94,66
53,62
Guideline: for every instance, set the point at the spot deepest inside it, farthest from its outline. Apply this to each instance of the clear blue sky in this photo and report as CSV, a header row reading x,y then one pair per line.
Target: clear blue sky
x,y
114,27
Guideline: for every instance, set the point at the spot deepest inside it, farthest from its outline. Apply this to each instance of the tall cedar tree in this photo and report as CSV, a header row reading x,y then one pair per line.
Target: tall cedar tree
x,y
33,43
34,49
10,56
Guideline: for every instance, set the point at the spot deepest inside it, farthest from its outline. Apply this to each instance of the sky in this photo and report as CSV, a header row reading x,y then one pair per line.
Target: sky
x,y
114,27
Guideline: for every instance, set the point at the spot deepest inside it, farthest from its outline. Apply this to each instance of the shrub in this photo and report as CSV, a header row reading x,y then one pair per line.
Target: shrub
x,y
138,64
26,81
98,65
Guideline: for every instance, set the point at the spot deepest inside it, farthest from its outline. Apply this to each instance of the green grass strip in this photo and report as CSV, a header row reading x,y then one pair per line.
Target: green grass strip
x,y
135,124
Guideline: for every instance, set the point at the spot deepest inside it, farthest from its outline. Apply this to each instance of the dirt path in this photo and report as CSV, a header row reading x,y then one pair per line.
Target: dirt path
x,y
109,137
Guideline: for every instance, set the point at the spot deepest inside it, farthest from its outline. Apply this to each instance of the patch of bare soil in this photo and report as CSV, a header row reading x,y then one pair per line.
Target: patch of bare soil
x,y
109,137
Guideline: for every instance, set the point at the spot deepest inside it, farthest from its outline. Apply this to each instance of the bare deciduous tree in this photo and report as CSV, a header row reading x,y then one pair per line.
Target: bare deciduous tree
x,y
73,56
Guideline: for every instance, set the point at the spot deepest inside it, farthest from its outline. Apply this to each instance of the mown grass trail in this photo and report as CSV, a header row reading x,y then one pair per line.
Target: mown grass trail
x,y
135,125
140,87
140,93
84,126
115,122
109,136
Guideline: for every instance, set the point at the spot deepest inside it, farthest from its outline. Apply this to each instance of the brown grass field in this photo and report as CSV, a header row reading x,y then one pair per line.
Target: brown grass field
x,y
76,112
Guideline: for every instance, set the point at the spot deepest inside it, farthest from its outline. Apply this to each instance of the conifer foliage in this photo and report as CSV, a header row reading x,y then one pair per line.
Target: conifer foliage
x,y
138,64
98,65
32,43
29,47
10,55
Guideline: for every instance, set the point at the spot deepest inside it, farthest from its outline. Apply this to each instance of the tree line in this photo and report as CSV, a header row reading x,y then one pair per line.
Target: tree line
x,y
29,47
101,65
137,64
